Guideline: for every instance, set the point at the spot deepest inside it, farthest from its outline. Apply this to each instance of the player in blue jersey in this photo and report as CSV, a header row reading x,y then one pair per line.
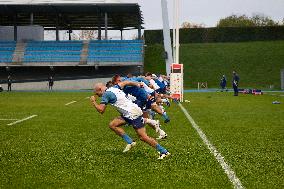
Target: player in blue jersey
x,y
140,97
130,113
160,88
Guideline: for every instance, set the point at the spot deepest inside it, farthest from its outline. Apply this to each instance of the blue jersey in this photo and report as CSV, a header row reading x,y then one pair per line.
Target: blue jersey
x,y
136,79
117,98
135,91
138,92
160,84
141,79
108,98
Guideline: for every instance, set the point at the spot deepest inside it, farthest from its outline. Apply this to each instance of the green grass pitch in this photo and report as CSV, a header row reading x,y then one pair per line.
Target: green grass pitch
x,y
72,146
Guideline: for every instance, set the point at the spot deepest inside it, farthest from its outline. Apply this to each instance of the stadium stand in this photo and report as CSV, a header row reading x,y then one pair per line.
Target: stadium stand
x,y
53,51
7,49
29,58
116,51
99,51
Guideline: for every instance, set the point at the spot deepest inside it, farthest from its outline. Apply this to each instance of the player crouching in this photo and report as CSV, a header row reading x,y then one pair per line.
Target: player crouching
x,y
130,113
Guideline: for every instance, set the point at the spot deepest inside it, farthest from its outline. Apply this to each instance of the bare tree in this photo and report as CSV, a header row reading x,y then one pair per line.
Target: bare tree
x,y
192,25
88,35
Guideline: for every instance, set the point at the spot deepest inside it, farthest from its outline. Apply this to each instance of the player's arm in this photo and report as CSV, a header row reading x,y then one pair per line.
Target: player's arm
x,y
100,107
128,83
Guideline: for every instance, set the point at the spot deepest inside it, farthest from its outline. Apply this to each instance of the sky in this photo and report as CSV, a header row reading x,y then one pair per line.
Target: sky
x,y
208,12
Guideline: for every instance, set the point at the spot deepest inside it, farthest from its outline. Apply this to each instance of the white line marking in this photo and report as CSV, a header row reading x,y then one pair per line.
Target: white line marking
x,y
70,103
19,121
7,119
88,97
226,167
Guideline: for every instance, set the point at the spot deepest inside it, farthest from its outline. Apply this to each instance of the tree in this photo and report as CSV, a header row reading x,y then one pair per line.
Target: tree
x,y
245,21
236,21
262,20
88,35
192,25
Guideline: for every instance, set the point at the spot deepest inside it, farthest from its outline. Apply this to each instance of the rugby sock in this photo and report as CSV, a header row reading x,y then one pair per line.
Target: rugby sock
x,y
151,114
162,108
164,100
151,122
161,132
161,149
165,116
127,139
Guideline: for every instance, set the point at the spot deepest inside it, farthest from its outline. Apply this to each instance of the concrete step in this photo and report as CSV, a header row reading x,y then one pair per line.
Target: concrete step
x,y
19,52
84,53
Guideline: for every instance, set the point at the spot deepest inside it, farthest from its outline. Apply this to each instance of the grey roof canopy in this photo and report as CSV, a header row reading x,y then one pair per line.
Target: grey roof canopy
x,y
70,16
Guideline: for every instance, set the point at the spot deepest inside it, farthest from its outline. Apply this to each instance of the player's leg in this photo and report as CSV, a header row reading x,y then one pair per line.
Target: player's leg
x,y
115,126
154,124
157,109
235,90
141,132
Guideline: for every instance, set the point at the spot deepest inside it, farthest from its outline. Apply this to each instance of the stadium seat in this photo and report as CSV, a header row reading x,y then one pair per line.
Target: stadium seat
x,y
70,51
116,51
53,51
7,49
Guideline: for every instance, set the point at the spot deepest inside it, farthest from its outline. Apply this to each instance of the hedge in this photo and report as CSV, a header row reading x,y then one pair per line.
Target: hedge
x,y
225,34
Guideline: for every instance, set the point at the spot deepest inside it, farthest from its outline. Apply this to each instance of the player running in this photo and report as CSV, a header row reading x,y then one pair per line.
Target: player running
x,y
130,113
139,96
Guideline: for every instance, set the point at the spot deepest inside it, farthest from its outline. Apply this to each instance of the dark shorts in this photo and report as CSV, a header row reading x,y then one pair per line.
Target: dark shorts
x,y
141,103
150,101
136,123
162,90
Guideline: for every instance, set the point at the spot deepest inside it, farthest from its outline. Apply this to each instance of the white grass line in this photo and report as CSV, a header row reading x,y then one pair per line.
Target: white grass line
x,y
19,121
70,103
8,119
88,97
226,167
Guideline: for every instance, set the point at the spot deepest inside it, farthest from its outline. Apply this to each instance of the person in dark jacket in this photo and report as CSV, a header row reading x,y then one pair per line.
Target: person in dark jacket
x,y
223,83
9,82
236,80
50,82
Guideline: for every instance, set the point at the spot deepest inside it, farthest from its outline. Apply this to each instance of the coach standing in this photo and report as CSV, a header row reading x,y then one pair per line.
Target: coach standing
x,y
236,80
9,82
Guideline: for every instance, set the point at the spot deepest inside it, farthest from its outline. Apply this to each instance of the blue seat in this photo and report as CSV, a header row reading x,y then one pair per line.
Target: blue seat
x,y
53,51
7,49
70,51
116,51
